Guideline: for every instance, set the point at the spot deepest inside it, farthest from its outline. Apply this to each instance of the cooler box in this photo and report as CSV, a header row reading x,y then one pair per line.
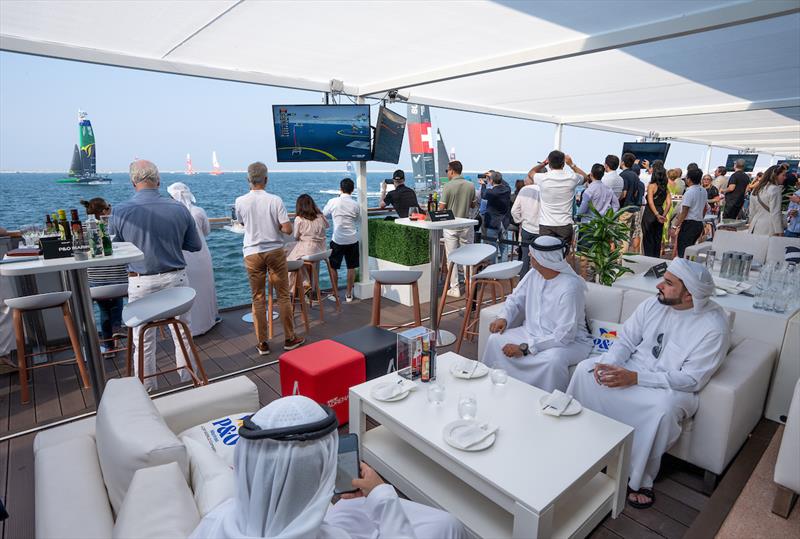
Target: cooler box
x,y
323,371
378,345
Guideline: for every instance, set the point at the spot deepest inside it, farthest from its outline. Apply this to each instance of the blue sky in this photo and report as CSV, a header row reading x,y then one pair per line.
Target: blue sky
x,y
163,117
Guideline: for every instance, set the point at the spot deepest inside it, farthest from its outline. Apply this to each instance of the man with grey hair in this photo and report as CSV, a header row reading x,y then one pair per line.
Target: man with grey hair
x,y
736,190
162,229
265,221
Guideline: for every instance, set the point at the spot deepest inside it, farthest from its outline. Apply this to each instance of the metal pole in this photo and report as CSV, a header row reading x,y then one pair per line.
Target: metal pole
x,y
364,289
83,312
435,237
557,136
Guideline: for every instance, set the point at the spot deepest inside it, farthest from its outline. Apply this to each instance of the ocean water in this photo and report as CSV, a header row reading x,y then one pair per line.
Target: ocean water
x,y
25,198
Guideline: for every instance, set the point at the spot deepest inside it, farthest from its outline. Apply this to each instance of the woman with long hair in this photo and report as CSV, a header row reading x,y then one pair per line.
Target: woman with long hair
x,y
110,309
765,203
309,231
656,210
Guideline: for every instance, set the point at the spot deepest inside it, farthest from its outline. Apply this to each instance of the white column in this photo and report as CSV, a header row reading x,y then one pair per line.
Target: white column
x,y
363,288
707,160
773,159
557,136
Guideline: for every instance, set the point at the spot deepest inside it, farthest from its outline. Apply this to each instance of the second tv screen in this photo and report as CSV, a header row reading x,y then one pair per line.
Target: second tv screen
x,y
649,151
322,133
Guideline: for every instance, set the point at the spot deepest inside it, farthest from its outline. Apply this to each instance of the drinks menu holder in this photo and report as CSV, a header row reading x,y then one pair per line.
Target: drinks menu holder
x,y
55,248
657,271
414,353
441,215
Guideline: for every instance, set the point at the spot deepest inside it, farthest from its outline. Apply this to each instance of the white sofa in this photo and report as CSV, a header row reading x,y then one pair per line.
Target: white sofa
x,y
787,467
71,495
763,248
731,404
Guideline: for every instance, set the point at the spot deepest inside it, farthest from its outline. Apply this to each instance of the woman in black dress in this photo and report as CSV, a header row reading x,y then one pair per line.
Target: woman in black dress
x,y
655,211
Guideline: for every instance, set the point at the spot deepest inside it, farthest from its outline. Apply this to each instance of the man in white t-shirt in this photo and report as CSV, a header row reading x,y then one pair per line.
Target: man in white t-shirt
x,y
525,211
690,217
611,178
265,221
345,213
557,191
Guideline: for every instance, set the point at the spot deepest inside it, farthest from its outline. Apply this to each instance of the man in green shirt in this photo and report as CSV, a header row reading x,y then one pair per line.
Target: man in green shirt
x,y
458,195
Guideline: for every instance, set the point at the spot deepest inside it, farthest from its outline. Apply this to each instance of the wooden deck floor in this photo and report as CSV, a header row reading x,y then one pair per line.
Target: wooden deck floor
x,y
229,347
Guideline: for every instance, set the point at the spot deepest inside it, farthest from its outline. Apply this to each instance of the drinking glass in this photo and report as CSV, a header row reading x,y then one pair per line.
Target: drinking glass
x,y
412,210
499,377
711,257
435,393
467,405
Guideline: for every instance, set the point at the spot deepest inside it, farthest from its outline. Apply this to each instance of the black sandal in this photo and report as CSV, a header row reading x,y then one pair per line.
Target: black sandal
x,y
644,492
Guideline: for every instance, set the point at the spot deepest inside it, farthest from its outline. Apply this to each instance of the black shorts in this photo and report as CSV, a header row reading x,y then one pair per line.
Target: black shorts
x,y
563,232
348,252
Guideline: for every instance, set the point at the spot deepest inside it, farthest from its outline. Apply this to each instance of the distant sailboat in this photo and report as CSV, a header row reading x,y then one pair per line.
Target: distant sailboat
x,y
215,170
83,168
189,169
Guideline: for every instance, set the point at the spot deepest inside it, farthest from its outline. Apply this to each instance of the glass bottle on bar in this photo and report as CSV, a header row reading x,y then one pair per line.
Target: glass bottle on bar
x,y
430,203
48,225
108,249
75,224
63,226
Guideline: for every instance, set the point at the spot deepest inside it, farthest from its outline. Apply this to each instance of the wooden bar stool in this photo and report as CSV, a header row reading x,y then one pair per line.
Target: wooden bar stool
x,y
36,303
297,295
468,256
110,291
162,308
494,276
312,267
399,277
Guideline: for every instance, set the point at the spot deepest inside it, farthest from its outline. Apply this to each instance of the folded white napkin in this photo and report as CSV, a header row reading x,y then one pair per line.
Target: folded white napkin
x,y
390,390
466,367
730,286
471,434
556,403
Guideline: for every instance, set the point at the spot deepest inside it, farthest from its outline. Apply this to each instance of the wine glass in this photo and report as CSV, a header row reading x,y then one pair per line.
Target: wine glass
x,y
411,211
467,405
435,393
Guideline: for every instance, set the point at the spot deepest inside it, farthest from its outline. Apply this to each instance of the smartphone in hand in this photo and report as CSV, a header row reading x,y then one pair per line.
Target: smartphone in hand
x,y
348,464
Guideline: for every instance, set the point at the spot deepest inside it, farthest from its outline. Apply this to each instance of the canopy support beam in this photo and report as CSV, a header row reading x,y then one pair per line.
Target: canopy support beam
x,y
681,25
707,159
557,136
363,288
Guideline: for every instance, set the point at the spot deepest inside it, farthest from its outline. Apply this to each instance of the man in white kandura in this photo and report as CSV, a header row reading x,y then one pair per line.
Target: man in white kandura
x,y
666,352
286,461
553,335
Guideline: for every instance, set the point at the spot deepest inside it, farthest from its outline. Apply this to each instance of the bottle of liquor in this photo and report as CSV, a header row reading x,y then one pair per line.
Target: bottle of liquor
x,y
432,358
430,203
63,226
425,367
75,225
48,225
108,249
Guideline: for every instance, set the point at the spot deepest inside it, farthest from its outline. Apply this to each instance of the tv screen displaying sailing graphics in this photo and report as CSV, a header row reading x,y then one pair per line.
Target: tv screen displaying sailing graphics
x,y
321,133
749,161
389,132
794,164
650,151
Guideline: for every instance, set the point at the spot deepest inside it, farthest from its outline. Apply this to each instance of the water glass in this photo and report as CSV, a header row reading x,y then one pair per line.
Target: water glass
x,y
499,377
467,405
711,257
435,393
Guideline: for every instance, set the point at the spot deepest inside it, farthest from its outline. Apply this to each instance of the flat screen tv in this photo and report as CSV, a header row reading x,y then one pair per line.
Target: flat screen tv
x,y
749,161
389,131
794,164
650,151
321,133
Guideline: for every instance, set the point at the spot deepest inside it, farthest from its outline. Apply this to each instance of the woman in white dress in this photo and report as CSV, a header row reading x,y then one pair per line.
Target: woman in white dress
x,y
765,203
199,268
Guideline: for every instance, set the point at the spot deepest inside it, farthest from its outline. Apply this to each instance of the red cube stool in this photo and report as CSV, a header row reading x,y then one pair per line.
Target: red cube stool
x,y
323,371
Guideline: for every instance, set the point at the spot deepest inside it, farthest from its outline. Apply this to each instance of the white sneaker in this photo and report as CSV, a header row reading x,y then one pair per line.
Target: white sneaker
x,y
348,299
332,297
454,292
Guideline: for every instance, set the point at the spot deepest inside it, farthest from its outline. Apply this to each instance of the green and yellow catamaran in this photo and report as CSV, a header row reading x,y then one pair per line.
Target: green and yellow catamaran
x,y
83,168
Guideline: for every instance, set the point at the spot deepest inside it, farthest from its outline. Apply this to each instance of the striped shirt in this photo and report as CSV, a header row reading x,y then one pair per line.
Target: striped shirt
x,y
103,275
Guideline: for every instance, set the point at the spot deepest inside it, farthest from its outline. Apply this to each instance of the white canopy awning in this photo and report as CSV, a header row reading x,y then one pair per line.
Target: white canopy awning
x,y
720,72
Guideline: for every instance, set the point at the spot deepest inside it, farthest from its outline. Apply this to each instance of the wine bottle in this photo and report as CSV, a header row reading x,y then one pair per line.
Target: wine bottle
x,y
63,226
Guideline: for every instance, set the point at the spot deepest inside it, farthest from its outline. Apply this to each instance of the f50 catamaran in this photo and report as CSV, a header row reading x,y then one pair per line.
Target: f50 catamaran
x,y
83,168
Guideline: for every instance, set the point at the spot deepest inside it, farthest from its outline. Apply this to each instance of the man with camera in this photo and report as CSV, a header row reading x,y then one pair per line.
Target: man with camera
x,y
497,216
402,198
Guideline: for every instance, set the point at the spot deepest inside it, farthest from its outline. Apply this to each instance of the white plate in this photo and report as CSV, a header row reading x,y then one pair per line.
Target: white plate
x,y
480,446
398,397
574,407
480,370
720,292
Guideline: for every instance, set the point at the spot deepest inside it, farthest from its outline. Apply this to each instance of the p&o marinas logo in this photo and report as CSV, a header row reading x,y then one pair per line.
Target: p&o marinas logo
x,y
605,340
225,430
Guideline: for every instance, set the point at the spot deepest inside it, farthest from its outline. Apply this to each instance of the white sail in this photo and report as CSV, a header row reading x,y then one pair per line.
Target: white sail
x,y
215,164
189,168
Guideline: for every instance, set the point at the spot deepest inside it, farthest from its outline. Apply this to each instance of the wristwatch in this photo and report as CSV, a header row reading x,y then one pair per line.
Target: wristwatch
x,y
524,348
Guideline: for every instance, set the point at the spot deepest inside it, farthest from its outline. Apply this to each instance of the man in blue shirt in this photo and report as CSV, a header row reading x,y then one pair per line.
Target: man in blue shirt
x,y
161,228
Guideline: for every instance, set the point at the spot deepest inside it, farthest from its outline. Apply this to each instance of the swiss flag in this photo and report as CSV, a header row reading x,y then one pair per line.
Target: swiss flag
x,y
420,138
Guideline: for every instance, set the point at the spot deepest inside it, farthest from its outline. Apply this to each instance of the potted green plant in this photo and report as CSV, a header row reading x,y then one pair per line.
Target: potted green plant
x,y
598,242
398,247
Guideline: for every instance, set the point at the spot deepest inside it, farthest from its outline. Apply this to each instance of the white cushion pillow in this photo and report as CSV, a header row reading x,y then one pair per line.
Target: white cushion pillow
x,y
603,335
131,435
220,435
158,504
213,481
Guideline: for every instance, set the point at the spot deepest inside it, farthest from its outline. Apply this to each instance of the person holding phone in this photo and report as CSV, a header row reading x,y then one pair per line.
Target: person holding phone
x,y
401,198
286,465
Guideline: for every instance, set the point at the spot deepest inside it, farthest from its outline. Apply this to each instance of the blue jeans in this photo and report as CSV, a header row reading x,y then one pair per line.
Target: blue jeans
x,y
110,316
790,234
492,236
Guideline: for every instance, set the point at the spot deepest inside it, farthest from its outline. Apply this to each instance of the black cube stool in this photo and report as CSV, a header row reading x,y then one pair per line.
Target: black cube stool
x,y
378,345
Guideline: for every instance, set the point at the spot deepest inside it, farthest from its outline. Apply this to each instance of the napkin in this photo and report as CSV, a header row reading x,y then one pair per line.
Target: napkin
x,y
556,403
467,367
471,434
390,390
730,286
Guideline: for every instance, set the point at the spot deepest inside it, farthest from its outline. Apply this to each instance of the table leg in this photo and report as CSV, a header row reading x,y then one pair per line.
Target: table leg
x,y
357,424
35,330
83,310
618,470
529,525
443,338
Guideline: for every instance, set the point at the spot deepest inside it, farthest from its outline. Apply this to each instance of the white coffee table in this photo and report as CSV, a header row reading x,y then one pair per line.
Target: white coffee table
x,y
541,478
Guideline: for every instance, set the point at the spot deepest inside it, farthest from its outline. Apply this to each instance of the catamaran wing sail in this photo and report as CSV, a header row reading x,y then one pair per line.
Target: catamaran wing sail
x,y
76,167
420,142
87,146
441,156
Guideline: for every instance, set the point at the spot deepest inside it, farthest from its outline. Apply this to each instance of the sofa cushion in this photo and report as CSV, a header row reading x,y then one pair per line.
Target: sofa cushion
x,y
603,302
131,435
71,500
219,435
213,481
158,505
604,334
